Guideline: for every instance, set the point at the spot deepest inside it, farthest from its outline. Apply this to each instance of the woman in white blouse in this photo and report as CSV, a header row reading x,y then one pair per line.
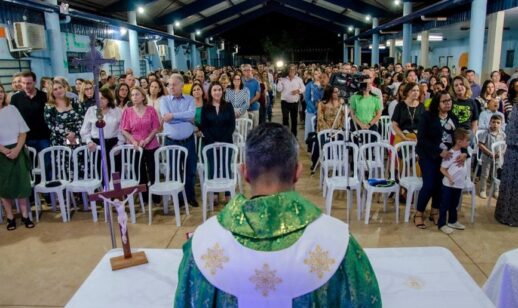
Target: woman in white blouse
x,y
111,116
15,181
238,96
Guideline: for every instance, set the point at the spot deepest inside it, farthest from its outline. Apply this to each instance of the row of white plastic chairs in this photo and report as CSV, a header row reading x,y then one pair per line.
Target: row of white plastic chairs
x,y
345,166
67,178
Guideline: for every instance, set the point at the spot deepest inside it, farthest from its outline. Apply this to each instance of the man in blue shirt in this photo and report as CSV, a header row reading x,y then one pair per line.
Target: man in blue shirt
x,y
177,112
255,92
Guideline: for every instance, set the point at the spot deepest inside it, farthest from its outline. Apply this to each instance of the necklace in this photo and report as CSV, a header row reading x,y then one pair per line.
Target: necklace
x,y
411,114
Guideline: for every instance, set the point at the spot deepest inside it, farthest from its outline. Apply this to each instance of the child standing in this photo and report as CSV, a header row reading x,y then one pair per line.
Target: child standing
x,y
485,116
485,142
453,183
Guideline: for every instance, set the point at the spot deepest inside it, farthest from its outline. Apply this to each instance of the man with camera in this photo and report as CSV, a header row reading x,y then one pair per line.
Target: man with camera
x,y
290,87
365,105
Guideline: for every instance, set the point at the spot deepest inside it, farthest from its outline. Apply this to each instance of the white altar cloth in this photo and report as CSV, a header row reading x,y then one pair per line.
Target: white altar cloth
x,y
408,277
502,285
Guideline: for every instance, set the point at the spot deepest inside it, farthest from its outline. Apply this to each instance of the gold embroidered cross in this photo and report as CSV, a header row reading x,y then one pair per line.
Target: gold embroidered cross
x,y
214,258
319,262
265,280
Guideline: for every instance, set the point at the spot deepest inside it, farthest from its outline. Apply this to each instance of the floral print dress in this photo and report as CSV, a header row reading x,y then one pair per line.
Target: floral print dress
x,y
62,123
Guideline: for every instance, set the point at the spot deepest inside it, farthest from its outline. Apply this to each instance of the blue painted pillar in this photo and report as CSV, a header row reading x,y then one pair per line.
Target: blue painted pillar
x,y
209,52
57,51
476,34
133,44
345,48
407,34
172,47
194,52
357,48
375,58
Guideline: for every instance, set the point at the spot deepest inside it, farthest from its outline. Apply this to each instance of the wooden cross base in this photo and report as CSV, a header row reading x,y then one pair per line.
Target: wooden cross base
x,y
121,262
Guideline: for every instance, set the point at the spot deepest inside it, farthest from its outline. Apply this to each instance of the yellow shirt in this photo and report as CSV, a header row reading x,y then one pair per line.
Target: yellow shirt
x,y
187,88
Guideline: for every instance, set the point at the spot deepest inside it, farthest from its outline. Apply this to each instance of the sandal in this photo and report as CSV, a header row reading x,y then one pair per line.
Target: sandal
x,y
11,224
434,216
27,222
419,225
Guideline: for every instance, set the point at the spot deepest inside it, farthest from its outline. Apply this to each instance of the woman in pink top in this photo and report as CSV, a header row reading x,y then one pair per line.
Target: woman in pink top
x,y
140,124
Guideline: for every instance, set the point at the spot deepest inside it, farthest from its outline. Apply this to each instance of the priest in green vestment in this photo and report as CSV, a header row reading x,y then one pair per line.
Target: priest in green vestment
x,y
275,249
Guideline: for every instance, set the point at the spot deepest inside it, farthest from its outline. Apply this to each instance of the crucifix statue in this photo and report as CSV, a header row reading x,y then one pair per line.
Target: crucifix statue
x,y
93,61
119,195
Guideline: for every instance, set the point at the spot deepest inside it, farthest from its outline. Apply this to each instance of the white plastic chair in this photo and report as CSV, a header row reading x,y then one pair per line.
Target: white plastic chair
x,y
337,156
222,160
237,139
313,123
199,165
497,147
477,152
323,137
161,138
243,127
86,181
378,153
384,125
408,174
131,159
173,183
59,157
363,137
469,186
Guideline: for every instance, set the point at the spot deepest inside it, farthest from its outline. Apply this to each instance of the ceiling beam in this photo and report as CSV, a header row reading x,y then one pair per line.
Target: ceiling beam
x,y
231,11
126,5
323,12
363,8
283,10
187,10
238,21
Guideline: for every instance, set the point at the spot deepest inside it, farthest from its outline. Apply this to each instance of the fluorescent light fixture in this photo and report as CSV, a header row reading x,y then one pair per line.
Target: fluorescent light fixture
x,y
177,24
123,31
198,32
399,43
381,46
140,10
432,37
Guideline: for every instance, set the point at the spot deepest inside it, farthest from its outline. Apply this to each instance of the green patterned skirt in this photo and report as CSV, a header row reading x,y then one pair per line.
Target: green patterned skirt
x,y
15,178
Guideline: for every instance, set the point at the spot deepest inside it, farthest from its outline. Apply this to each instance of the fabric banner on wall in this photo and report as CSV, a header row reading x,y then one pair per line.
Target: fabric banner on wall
x,y
111,49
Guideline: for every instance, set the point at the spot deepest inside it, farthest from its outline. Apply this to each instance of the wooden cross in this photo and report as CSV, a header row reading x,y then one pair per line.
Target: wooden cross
x,y
120,193
93,61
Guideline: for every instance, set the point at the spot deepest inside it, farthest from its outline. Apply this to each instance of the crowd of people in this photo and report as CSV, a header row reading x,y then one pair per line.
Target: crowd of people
x,y
424,105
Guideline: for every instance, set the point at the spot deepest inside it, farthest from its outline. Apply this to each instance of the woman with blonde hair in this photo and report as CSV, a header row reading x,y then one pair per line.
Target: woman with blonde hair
x,y
464,107
86,94
63,115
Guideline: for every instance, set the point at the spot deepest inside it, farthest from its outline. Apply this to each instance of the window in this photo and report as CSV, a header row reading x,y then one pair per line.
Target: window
x,y
73,68
117,68
509,58
10,67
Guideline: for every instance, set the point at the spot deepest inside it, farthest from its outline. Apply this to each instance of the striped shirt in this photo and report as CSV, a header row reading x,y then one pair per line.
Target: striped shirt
x,y
239,99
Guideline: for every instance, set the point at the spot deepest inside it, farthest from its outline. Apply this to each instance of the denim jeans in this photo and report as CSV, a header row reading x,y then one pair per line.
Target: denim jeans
x,y
432,183
190,172
450,198
308,127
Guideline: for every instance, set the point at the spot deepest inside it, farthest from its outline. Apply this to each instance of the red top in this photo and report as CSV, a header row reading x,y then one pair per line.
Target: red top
x,y
141,126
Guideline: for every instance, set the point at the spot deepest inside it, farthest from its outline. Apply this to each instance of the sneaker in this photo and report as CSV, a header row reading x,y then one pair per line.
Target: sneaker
x,y
446,229
495,194
483,194
457,226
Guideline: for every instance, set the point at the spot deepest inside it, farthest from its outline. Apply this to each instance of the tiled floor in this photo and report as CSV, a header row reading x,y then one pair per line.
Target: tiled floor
x,y
43,267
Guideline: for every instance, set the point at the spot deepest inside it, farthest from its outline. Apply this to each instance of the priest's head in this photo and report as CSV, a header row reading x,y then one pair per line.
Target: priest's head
x,y
271,160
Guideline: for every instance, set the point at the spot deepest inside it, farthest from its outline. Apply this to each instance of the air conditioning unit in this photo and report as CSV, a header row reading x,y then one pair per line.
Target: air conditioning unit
x,y
29,36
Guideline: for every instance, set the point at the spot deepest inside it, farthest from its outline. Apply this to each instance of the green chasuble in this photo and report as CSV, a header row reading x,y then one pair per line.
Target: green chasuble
x,y
274,223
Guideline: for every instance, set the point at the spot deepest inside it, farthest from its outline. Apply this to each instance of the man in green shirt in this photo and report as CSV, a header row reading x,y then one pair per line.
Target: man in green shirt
x,y
275,249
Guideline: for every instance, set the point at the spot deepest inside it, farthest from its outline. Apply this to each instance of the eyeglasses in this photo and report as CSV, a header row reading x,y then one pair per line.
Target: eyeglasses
x,y
446,101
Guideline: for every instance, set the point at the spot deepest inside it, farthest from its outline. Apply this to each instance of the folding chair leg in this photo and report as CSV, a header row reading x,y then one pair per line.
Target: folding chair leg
x,y
368,207
329,200
37,203
185,203
67,195
408,204
142,204
150,211
176,206
62,206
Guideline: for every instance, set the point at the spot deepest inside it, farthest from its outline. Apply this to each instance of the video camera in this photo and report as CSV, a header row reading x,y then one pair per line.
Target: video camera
x,y
349,84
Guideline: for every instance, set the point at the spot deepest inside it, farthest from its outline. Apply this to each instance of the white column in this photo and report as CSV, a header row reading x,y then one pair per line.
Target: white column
x,y
425,44
476,34
194,52
133,44
392,49
172,47
495,24
56,48
357,48
345,48
407,34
